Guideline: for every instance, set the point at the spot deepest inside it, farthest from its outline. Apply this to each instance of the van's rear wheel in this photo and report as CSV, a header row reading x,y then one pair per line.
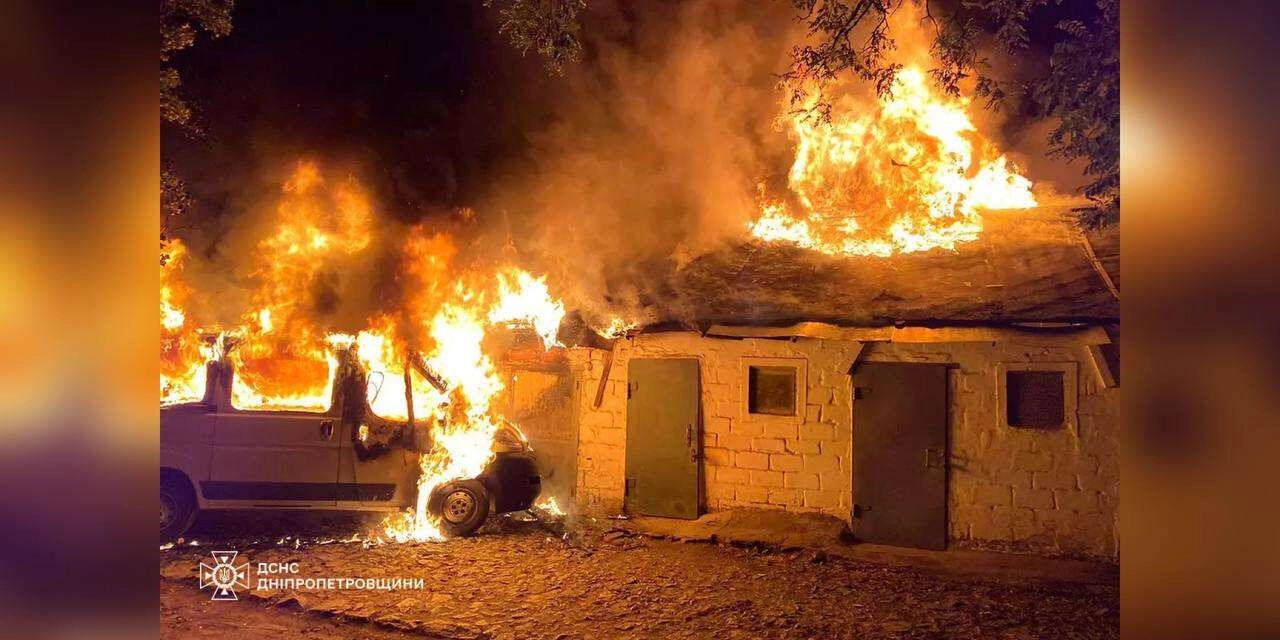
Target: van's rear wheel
x,y
462,506
177,509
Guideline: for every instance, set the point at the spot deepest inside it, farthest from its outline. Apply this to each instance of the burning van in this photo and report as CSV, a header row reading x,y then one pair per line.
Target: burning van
x,y
214,455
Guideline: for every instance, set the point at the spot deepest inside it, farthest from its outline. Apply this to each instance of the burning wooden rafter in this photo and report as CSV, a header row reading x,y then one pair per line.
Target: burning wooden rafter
x,y
420,365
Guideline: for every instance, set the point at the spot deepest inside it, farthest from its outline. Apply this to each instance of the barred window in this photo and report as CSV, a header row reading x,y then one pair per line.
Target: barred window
x,y
1035,399
771,390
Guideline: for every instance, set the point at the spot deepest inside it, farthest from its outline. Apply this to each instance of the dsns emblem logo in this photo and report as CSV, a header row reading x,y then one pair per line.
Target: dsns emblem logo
x,y
224,575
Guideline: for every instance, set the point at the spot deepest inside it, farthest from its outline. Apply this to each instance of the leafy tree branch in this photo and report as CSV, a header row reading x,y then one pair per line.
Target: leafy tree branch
x,y
181,23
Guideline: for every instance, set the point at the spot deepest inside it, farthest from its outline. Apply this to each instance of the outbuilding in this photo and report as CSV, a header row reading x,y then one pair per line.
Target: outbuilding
x,y
922,412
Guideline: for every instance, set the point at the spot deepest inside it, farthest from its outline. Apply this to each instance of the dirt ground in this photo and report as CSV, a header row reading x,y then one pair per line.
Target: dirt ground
x,y
522,580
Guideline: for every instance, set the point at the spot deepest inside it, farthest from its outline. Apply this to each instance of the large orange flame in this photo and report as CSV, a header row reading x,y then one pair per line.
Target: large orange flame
x,y
448,326
283,360
903,173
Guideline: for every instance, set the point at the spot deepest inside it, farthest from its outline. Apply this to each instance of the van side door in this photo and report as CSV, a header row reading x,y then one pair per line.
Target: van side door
x,y
274,458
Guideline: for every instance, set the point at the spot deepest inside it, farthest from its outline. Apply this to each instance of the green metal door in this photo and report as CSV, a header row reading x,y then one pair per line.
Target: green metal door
x,y
900,454
663,437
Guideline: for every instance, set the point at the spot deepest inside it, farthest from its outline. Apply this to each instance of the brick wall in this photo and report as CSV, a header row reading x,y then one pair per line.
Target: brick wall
x,y
1051,492
602,436
540,401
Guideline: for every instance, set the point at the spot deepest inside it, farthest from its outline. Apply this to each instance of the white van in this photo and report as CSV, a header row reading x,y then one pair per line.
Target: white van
x,y
214,456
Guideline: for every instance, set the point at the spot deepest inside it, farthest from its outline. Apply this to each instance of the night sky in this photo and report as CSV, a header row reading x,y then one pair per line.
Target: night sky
x,y
428,98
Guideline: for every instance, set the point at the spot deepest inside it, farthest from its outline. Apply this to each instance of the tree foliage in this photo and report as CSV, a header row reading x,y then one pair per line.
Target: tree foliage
x,y
181,22
1083,92
549,27
174,199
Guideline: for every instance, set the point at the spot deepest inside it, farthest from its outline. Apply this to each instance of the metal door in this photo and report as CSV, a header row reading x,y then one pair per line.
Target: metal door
x,y
900,454
663,437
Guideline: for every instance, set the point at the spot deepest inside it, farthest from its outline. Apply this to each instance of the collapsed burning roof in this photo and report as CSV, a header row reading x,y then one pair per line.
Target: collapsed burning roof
x,y
1029,266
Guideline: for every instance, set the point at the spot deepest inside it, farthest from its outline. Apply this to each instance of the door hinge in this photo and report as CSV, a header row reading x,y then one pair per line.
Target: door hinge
x,y
859,393
628,486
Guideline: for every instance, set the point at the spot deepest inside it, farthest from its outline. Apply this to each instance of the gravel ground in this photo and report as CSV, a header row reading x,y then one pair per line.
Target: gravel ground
x,y
522,580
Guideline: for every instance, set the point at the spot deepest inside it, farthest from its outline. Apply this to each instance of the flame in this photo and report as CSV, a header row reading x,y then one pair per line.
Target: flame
x,y
461,419
183,349
452,340
549,506
526,300
383,357
282,359
908,173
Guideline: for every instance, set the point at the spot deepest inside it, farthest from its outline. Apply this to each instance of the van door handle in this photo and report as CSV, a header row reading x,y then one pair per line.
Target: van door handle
x,y
326,429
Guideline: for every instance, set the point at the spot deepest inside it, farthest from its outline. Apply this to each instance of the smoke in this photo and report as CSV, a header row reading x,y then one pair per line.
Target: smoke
x,y
232,250
659,139
645,156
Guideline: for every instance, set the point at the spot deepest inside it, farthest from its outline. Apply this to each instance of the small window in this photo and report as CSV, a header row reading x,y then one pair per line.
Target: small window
x,y
1035,399
771,390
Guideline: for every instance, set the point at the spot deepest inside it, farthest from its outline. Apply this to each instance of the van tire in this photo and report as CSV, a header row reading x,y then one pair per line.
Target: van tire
x,y
461,506
177,507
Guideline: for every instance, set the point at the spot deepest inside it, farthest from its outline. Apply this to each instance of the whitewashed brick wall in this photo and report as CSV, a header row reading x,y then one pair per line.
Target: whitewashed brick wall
x,y
1053,492
1049,492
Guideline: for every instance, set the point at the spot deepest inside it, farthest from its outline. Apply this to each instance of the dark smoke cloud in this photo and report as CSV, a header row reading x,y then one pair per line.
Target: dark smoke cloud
x,y
345,292
660,137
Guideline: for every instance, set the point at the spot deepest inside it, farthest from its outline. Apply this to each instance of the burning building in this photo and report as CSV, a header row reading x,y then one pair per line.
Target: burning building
x,y
903,332
912,337
989,424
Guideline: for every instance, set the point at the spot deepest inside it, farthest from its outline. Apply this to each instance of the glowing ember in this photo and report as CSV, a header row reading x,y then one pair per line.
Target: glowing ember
x,y
909,173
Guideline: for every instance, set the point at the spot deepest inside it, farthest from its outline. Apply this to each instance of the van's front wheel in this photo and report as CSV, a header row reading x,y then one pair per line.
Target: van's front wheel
x,y
462,506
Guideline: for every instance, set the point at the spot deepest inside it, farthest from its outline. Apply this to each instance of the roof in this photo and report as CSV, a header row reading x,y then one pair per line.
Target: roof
x,y
1028,266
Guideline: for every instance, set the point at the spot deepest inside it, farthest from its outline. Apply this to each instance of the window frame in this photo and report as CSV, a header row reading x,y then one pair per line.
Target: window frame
x,y
801,367
1070,393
